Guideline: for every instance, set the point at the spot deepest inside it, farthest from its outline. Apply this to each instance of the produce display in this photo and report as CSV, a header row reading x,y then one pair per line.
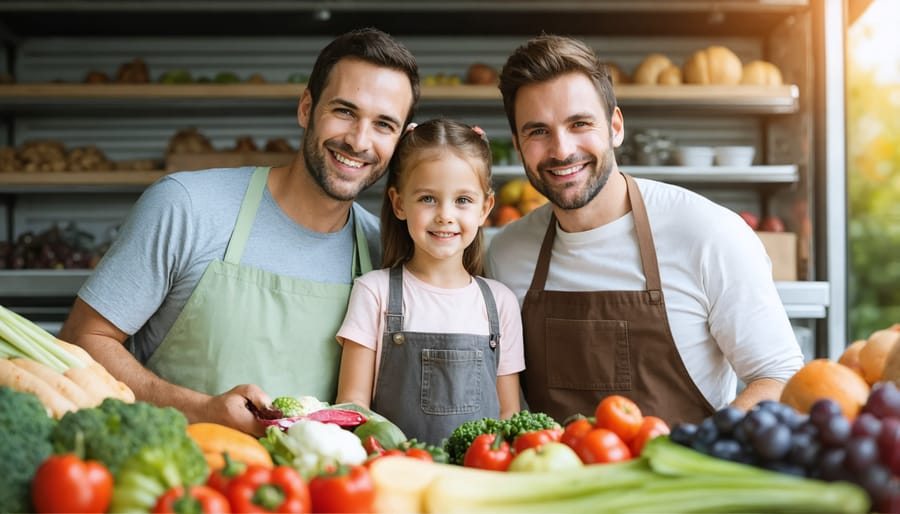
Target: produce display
x,y
58,247
515,198
127,456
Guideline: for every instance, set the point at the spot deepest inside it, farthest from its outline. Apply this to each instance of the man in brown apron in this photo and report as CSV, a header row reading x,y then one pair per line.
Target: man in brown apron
x,y
245,331
585,337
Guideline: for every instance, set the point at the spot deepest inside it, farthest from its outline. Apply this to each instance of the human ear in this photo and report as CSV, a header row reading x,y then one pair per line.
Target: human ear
x,y
304,109
617,128
488,207
396,203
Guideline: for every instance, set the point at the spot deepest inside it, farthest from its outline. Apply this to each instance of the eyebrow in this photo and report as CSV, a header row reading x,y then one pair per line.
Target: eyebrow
x,y
353,106
574,117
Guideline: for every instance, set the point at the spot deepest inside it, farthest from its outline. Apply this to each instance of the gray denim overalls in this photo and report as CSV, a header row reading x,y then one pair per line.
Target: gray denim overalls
x,y
455,375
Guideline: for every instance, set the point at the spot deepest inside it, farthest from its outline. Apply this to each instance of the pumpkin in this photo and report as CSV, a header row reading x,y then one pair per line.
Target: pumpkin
x,y
873,355
824,378
714,65
762,73
213,439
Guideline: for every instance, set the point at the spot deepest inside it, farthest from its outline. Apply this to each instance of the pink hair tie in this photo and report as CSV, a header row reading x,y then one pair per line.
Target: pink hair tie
x,y
478,130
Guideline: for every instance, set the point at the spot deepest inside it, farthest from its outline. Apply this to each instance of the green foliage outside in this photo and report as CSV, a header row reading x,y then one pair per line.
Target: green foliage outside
x,y
873,185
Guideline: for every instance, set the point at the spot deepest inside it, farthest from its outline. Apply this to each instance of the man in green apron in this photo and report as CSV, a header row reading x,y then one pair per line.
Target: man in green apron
x,y
628,286
228,285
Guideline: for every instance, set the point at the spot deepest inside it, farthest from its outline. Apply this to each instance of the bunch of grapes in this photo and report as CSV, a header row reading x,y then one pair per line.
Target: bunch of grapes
x,y
823,445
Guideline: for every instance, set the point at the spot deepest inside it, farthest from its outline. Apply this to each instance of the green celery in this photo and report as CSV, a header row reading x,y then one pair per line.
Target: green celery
x,y
34,342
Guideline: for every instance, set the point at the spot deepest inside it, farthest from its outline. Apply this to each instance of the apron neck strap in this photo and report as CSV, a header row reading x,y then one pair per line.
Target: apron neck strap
x,y
644,237
394,313
362,259
493,315
246,215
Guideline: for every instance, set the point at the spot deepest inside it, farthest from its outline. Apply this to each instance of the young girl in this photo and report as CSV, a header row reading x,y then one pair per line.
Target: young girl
x,y
427,342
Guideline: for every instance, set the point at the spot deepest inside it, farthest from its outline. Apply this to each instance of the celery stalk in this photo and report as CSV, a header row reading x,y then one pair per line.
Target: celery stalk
x,y
34,342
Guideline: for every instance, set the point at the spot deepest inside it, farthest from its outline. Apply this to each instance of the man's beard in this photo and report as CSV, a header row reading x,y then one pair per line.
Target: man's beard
x,y
314,157
595,183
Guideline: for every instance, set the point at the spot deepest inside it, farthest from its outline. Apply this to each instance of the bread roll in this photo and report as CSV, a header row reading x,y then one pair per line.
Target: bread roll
x,y
761,73
715,65
649,69
616,73
670,76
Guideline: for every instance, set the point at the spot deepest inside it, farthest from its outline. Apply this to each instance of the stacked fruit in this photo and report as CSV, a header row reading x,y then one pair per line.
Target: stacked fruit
x,y
515,199
824,444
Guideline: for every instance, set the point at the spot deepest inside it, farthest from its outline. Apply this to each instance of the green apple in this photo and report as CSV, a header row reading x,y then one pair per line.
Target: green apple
x,y
549,457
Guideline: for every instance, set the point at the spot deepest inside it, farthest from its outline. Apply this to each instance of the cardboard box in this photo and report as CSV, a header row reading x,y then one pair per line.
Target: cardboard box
x,y
782,250
202,161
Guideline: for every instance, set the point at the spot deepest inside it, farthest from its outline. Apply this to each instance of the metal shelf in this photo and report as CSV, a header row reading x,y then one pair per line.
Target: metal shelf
x,y
51,97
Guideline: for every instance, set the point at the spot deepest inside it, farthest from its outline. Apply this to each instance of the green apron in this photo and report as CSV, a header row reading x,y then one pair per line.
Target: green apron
x,y
243,325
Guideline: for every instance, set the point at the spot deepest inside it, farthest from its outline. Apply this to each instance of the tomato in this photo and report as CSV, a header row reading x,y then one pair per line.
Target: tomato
x,y
575,431
261,489
488,451
198,499
419,453
536,439
343,490
650,428
619,414
601,445
65,483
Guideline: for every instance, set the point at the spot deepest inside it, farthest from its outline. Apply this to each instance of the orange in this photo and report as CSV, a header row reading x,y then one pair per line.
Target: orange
x,y
504,214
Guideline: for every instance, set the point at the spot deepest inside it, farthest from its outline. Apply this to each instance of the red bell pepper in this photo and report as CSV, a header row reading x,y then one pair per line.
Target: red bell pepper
x,y
343,489
65,483
261,489
196,500
220,478
488,451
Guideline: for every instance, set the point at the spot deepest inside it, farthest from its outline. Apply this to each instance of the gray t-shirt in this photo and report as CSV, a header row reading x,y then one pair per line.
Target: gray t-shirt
x,y
181,224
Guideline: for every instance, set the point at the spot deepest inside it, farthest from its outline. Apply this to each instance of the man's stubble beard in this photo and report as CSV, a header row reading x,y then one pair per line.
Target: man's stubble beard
x,y
598,179
314,157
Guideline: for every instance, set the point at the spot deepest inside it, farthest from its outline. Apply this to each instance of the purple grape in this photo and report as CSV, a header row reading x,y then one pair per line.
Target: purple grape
x,y
835,431
683,433
728,418
727,449
883,401
772,443
804,451
875,480
831,465
862,453
823,410
888,438
866,424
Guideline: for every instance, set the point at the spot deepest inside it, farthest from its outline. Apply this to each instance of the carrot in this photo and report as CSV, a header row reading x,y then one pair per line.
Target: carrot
x,y
23,380
64,385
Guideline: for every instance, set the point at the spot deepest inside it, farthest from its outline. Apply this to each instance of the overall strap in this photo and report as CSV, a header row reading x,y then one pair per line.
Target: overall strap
x,y
246,215
394,314
493,316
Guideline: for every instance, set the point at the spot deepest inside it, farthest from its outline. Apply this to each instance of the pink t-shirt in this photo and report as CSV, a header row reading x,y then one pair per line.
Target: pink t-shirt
x,y
427,308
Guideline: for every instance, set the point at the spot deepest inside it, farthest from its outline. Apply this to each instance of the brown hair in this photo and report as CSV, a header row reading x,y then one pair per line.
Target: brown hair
x,y
437,134
545,58
370,45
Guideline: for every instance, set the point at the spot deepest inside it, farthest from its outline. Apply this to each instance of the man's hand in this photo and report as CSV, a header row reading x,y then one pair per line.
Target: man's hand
x,y
230,408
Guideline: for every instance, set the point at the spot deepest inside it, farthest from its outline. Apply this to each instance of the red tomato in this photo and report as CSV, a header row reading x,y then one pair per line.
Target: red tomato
x,y
260,489
344,490
619,414
65,483
536,439
575,431
198,498
650,428
601,445
488,451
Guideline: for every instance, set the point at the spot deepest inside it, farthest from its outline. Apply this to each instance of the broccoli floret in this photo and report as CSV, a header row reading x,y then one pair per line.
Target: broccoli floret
x,y
461,437
115,430
289,406
525,421
26,429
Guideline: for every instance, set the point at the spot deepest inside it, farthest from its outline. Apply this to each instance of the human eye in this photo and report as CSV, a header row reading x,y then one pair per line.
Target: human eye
x,y
343,112
536,132
426,199
465,200
386,127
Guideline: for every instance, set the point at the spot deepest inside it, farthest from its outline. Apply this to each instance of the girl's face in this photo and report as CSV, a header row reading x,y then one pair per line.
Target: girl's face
x,y
443,202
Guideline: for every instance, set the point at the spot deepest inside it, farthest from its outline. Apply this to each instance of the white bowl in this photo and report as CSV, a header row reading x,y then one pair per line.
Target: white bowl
x,y
735,155
698,156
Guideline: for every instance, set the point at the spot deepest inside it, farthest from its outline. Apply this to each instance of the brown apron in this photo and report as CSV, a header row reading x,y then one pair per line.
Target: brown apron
x,y
581,346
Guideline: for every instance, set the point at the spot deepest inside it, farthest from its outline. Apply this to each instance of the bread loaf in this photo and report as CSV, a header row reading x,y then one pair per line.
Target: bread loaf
x,y
715,65
761,73
649,69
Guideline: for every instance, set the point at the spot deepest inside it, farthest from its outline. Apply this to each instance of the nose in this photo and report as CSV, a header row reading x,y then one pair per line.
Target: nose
x,y
359,137
444,214
563,145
